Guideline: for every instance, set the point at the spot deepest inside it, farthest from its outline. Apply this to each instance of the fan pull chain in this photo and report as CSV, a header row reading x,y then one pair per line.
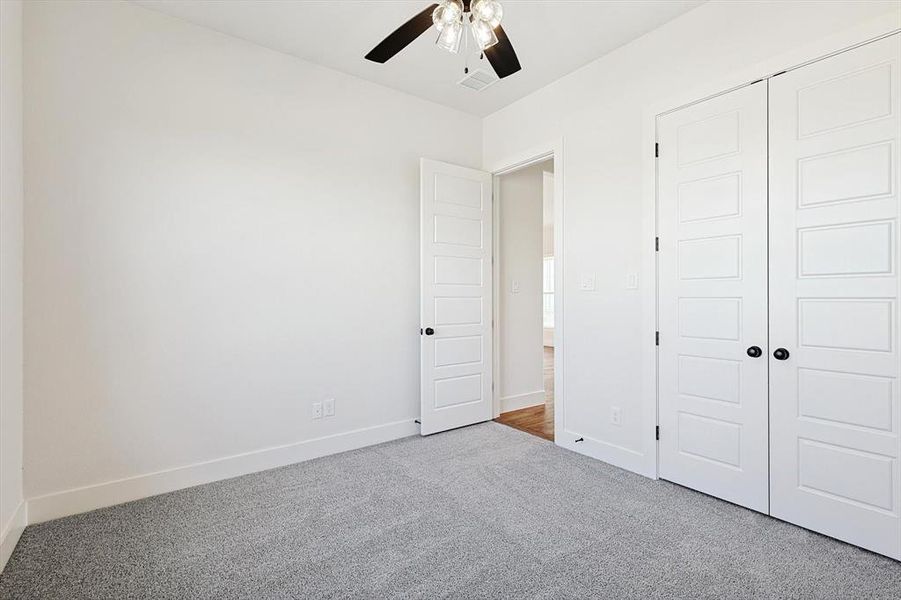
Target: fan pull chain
x,y
465,50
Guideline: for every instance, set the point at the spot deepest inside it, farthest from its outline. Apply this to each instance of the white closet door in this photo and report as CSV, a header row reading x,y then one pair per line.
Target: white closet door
x,y
834,259
712,296
455,351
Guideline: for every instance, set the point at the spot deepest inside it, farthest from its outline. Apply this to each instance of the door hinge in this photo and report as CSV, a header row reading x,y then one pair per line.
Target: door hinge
x,y
657,432
656,244
656,150
656,338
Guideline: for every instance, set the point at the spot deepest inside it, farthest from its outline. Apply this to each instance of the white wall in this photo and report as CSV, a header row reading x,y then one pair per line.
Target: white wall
x,y
12,509
520,319
598,112
547,201
217,235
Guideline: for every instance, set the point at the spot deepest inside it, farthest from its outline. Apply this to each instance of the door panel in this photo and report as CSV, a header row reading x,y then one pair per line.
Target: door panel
x,y
456,296
712,296
835,407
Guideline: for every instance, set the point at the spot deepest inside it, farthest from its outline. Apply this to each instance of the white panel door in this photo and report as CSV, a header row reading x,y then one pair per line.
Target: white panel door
x,y
712,220
834,259
456,296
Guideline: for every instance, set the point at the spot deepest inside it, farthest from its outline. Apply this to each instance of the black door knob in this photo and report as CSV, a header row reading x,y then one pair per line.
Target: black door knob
x,y
755,351
781,354
429,331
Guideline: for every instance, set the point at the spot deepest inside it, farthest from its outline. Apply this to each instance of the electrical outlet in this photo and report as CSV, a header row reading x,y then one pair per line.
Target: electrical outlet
x,y
616,415
317,410
514,287
329,406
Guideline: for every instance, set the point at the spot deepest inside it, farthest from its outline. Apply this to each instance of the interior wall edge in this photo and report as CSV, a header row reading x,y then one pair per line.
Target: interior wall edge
x,y
12,531
12,505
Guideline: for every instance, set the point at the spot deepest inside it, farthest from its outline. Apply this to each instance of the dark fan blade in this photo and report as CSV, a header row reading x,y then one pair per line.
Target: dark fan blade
x,y
403,36
502,56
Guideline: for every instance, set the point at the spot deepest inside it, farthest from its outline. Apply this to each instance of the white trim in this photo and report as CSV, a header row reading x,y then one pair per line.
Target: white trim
x,y
618,456
521,161
872,30
12,531
83,499
550,150
518,401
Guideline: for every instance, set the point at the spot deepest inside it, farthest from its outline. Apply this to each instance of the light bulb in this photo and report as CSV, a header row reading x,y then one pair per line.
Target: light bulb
x,y
450,37
489,11
446,13
438,16
483,33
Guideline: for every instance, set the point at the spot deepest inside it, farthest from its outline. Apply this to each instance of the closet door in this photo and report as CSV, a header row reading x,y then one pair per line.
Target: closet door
x,y
712,221
834,287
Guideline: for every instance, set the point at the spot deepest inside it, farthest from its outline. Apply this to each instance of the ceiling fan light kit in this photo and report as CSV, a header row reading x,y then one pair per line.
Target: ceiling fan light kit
x,y
450,18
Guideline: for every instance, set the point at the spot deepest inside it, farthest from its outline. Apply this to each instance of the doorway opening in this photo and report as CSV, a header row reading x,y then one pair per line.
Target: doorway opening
x,y
525,298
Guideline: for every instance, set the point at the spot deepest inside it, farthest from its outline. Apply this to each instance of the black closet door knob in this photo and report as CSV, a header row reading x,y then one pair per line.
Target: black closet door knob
x,y
781,354
429,331
755,351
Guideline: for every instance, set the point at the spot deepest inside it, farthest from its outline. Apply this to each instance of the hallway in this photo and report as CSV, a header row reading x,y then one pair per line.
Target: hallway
x,y
537,420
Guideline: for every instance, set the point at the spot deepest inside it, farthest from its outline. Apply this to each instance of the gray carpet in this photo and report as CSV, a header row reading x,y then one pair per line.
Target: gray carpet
x,y
480,512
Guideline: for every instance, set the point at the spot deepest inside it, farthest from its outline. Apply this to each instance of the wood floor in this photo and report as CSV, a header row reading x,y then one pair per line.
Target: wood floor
x,y
537,420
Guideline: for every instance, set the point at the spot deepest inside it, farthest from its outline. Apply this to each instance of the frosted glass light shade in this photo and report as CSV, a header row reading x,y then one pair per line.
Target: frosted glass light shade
x,y
450,37
447,12
489,11
483,33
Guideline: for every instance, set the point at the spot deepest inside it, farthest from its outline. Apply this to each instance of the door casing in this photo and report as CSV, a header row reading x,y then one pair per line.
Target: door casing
x,y
553,151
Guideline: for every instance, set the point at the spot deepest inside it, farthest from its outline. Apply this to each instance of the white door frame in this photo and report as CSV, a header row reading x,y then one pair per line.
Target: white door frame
x,y
552,150
870,31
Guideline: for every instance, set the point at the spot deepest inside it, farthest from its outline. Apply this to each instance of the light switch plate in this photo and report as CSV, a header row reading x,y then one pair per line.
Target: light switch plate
x,y
587,282
632,281
514,287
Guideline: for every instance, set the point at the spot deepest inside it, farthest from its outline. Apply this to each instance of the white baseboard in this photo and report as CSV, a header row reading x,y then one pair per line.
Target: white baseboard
x,y
618,456
79,500
11,533
519,401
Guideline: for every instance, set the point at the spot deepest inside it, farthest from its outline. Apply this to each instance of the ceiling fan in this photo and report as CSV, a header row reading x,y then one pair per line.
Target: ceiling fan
x,y
450,18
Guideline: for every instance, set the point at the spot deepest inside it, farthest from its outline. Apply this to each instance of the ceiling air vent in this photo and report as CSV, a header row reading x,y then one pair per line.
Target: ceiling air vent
x,y
478,80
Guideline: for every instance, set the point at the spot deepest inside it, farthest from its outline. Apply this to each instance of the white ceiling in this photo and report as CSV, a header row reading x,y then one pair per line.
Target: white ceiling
x,y
551,38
